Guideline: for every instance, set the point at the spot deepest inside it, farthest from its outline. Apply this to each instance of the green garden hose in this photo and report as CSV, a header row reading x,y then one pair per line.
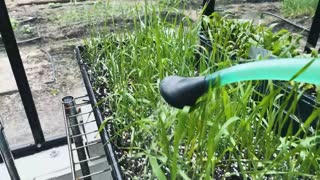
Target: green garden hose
x,y
182,91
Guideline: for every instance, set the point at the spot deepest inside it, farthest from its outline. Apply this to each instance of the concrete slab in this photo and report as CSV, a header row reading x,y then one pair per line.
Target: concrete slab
x,y
7,81
47,97
49,161
54,164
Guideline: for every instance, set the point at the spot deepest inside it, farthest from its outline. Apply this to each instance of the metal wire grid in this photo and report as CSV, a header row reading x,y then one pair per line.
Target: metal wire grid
x,y
75,151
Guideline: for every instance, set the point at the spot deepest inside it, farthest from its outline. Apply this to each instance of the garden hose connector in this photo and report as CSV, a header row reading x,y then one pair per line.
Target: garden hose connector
x,y
182,91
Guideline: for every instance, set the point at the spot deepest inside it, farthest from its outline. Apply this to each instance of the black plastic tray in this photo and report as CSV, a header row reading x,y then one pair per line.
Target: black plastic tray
x,y
304,107
108,148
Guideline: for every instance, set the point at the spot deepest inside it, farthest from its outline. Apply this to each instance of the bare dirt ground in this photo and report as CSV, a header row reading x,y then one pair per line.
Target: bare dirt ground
x,y
60,27
49,61
58,43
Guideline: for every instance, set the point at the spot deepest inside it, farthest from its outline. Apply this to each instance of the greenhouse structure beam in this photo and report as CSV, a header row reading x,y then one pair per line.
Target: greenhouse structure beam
x,y
19,73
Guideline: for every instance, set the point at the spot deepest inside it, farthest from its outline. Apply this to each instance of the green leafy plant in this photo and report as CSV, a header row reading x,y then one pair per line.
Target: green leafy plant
x,y
234,38
14,23
26,29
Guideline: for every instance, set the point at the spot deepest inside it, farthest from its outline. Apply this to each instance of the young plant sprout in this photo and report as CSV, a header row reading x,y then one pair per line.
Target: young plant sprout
x,y
180,91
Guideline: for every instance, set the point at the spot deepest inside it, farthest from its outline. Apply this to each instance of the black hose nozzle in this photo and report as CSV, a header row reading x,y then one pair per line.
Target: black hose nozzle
x,y
180,91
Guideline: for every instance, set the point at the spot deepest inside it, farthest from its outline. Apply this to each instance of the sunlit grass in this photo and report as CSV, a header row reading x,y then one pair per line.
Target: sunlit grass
x,y
299,7
95,12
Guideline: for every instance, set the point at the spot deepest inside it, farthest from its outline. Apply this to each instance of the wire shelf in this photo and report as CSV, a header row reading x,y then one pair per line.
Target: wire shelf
x,y
87,157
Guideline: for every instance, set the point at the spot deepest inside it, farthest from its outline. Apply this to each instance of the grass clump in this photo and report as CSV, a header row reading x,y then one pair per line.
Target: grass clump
x,y
232,132
295,8
96,13
234,38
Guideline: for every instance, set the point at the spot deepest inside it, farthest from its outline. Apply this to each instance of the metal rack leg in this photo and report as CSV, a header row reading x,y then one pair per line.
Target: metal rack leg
x,y
71,112
7,156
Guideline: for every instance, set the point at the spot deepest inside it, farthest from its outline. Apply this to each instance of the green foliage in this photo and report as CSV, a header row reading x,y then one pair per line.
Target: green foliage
x,y
234,38
26,29
14,23
232,131
299,7
175,2
93,13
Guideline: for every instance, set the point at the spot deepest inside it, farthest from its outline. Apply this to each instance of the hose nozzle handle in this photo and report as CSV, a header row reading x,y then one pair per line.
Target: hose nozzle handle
x,y
181,91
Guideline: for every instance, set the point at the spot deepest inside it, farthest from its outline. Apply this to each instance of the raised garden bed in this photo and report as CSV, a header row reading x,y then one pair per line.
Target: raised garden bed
x,y
228,134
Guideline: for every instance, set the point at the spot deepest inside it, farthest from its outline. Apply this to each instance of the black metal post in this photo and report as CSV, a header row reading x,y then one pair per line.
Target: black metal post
x,y
7,156
19,73
71,113
314,31
209,6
